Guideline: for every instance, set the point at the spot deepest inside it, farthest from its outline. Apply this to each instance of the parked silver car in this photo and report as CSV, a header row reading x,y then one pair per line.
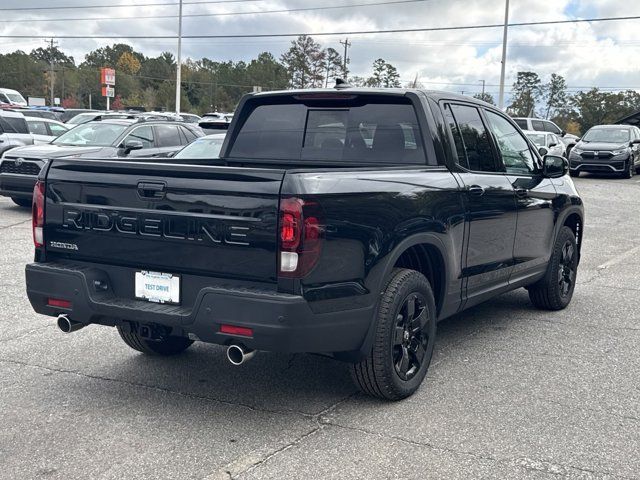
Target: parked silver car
x,y
547,143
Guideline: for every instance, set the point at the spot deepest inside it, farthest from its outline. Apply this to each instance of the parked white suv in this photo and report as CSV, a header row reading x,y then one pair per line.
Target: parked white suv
x,y
14,131
12,97
539,125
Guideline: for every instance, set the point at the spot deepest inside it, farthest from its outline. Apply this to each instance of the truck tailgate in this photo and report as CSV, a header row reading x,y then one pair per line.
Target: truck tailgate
x,y
205,220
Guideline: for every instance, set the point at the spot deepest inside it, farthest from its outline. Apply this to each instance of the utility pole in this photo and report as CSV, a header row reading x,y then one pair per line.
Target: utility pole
x,y
504,54
51,71
483,84
345,59
179,66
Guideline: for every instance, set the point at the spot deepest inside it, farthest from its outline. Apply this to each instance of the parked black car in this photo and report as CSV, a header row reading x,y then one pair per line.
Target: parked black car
x,y
111,137
607,149
346,222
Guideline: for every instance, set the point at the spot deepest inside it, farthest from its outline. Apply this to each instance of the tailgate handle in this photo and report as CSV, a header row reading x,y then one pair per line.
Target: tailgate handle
x,y
151,190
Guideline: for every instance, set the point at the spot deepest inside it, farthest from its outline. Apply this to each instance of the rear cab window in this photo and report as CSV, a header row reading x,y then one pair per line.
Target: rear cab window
x,y
344,129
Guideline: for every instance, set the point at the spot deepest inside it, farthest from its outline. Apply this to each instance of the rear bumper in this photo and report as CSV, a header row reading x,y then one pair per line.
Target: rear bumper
x,y
17,186
280,322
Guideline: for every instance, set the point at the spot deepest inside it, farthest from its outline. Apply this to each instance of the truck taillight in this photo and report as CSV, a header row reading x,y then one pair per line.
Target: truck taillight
x,y
300,237
37,214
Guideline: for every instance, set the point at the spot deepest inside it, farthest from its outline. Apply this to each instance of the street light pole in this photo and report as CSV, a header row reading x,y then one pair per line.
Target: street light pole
x,y
504,54
179,66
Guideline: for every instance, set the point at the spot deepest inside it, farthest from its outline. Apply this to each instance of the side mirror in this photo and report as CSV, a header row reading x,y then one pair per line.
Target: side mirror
x,y
563,133
131,145
554,166
543,151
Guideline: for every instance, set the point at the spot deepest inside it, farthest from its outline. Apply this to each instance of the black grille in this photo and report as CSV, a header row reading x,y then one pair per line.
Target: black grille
x,y
25,168
603,155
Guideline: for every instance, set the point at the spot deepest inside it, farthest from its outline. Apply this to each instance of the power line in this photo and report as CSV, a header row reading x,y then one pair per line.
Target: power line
x,y
85,7
225,14
322,34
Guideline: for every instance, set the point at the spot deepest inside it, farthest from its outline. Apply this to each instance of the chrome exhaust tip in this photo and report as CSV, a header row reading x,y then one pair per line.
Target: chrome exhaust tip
x,y
67,326
239,354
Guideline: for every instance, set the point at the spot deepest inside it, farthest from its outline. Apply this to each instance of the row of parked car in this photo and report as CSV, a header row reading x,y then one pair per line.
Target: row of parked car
x,y
603,149
95,135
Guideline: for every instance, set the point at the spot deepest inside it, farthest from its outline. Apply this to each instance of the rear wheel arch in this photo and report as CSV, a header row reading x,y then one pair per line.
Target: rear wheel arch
x,y
427,241
575,222
427,259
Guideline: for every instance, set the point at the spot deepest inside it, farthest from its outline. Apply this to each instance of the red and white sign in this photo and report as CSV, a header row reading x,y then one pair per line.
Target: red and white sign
x,y
107,76
108,92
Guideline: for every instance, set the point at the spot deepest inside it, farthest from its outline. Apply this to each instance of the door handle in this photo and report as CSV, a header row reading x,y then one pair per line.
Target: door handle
x,y
521,192
476,190
151,190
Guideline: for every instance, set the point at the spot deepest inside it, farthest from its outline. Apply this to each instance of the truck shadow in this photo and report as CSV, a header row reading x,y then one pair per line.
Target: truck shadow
x,y
301,383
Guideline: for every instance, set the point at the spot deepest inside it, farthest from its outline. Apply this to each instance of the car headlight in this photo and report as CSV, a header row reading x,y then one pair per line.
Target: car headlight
x,y
619,152
577,150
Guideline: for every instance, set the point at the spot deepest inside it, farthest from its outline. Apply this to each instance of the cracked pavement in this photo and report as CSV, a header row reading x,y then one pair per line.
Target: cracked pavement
x,y
512,392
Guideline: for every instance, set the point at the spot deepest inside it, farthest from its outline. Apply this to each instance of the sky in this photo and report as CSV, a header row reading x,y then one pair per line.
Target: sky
x,y
590,54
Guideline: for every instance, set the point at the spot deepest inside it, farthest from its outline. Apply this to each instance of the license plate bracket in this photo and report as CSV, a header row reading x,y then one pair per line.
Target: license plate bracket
x,y
157,287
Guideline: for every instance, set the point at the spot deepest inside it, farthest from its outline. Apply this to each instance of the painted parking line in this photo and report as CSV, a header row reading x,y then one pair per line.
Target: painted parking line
x,y
619,258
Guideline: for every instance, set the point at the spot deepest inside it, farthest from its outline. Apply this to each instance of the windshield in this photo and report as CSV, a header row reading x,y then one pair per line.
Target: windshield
x,y
82,118
16,97
91,134
537,139
202,148
607,135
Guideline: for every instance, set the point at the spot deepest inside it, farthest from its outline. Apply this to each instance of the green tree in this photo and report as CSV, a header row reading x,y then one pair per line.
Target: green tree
x,y
596,107
526,92
377,77
384,75
485,97
555,93
301,62
334,66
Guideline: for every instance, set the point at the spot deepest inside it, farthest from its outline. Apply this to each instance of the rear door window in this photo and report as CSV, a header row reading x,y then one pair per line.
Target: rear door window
x,y
168,136
188,134
142,134
538,125
37,127
551,127
347,131
473,139
522,123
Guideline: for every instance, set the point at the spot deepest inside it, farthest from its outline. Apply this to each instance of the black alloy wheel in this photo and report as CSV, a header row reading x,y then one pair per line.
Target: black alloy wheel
x,y
567,269
410,338
555,290
403,338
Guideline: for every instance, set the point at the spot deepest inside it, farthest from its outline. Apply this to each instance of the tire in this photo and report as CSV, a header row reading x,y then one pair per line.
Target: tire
x,y
555,290
400,355
22,202
630,170
574,173
170,345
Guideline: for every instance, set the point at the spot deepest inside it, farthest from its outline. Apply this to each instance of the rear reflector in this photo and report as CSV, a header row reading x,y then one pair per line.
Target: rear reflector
x,y
57,302
234,330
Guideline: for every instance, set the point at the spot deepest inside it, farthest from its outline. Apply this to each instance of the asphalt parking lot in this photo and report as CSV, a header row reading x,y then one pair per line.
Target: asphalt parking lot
x,y
512,392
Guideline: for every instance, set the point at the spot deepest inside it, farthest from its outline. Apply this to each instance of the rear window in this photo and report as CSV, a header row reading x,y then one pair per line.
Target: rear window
x,y
347,131
14,124
521,122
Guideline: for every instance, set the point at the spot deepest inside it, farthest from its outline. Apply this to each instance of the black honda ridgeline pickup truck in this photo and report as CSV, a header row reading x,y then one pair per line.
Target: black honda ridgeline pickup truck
x,y
342,221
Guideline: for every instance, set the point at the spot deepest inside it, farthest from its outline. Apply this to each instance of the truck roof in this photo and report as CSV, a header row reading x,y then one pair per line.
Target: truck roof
x,y
435,94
